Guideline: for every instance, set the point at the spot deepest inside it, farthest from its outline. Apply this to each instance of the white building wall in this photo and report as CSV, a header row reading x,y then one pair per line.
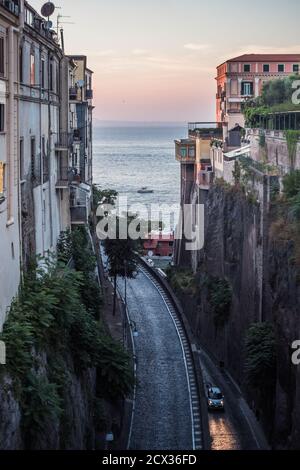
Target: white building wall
x,y
9,221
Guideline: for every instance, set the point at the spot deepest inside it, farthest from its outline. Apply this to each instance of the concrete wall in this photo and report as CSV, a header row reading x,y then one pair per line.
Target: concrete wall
x,y
275,151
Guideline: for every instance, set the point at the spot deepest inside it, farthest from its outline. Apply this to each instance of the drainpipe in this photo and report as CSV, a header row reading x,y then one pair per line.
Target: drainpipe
x,y
11,121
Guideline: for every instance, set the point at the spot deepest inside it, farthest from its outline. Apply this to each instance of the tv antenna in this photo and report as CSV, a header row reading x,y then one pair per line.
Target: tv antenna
x,y
60,23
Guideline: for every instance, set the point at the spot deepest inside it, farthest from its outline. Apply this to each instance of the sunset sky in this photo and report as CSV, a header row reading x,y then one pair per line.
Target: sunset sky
x,y
155,60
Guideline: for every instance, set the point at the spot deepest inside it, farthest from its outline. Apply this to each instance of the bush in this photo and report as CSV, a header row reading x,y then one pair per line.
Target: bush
x,y
182,280
260,362
220,298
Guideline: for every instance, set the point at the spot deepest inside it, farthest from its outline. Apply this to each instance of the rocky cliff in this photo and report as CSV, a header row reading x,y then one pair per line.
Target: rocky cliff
x,y
263,278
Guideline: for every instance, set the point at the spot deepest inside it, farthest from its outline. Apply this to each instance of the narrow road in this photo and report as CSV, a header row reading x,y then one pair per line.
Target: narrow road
x,y
163,418
236,428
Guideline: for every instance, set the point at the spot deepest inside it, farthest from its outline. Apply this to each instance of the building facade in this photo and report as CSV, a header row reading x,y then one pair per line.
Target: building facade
x,y
9,178
243,77
45,142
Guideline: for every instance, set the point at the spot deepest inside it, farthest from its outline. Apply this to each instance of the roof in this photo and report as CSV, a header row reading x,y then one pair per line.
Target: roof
x,y
238,153
265,58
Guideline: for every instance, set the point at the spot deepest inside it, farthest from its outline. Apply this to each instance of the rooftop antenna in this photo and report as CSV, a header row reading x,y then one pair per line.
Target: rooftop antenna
x,y
59,22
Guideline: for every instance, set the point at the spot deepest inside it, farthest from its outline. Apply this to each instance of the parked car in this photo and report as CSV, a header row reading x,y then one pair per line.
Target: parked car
x,y
215,399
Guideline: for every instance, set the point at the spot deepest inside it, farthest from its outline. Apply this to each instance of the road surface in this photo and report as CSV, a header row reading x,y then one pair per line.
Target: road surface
x,y
162,418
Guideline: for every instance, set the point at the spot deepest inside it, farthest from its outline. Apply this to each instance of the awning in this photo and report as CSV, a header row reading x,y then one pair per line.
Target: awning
x,y
240,152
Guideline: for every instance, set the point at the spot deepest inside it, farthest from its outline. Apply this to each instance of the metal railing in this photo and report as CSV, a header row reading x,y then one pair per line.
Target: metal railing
x,y
79,214
64,140
205,129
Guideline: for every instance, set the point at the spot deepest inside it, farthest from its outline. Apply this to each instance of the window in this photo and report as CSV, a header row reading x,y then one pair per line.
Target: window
x,y
2,58
266,68
280,67
43,74
21,65
45,161
247,68
22,163
2,180
247,89
32,69
2,117
51,77
29,17
32,157
192,152
296,68
183,152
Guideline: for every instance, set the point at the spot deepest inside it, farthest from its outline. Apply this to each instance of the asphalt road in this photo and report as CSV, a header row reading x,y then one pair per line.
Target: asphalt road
x,y
162,418
236,428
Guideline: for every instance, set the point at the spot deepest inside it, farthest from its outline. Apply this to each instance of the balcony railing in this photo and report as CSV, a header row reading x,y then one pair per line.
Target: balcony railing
x,y
64,141
11,5
65,177
205,129
79,215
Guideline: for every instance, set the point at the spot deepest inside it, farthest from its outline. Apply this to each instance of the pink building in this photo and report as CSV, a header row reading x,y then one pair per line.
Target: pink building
x,y
243,77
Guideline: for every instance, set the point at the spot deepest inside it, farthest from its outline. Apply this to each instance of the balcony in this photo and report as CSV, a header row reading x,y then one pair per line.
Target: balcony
x,y
65,177
205,179
205,130
185,151
64,141
79,215
89,94
11,5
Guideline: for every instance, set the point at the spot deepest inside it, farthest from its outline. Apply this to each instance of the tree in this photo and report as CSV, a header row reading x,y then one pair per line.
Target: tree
x,y
103,196
121,256
260,363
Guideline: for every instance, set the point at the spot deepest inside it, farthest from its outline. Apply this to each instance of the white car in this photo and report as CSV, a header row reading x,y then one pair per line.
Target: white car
x,y
215,399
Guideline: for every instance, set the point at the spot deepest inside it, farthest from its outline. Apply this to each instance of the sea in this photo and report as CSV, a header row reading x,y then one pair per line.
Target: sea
x,y
129,158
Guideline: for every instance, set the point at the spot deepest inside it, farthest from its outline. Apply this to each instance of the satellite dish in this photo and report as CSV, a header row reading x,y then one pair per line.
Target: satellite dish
x,y
48,9
80,83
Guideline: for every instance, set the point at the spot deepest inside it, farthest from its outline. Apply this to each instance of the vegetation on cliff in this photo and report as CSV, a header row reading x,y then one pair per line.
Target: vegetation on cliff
x,y
260,354
55,320
219,298
276,96
286,213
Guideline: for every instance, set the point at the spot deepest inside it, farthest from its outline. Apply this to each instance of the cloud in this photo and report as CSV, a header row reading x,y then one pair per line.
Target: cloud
x,y
192,46
139,52
106,53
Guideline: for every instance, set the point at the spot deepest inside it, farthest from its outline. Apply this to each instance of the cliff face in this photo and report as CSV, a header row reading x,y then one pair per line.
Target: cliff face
x,y
264,281
75,428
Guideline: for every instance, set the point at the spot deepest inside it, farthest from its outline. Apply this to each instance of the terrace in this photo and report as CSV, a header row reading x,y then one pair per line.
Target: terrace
x,y
205,130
